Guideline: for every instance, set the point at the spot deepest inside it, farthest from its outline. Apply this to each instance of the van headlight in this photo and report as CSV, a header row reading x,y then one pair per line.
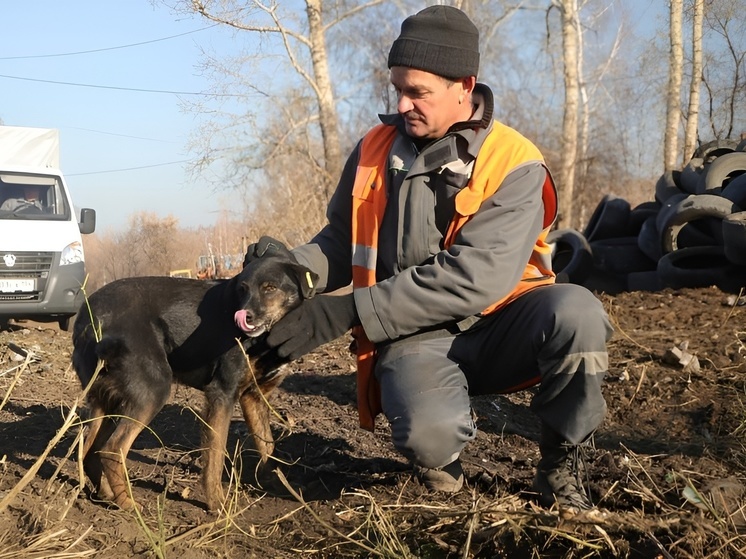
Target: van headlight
x,y
72,254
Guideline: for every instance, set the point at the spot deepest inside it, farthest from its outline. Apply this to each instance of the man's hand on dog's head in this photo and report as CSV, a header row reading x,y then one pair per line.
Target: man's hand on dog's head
x,y
267,246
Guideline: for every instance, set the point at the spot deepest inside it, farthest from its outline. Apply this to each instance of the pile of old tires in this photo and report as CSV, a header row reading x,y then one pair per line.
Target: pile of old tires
x,y
693,234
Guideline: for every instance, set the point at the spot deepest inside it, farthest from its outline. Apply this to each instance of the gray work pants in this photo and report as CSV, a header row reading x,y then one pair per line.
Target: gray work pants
x,y
554,336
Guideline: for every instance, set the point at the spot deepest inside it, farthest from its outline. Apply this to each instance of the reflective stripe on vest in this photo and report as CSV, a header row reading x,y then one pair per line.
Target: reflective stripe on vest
x,y
502,152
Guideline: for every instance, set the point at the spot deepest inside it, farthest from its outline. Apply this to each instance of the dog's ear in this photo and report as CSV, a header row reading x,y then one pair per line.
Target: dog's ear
x,y
307,280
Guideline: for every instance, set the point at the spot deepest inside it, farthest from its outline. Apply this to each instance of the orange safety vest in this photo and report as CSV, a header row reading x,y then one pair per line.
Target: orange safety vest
x,y
503,150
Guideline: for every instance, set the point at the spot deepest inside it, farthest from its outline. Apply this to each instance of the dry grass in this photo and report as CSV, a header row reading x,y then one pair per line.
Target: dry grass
x,y
57,544
490,523
366,526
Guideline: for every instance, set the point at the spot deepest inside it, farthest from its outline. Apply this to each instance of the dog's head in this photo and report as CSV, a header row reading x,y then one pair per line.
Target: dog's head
x,y
268,288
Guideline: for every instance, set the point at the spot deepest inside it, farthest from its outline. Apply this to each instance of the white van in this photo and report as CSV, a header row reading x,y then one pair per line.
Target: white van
x,y
42,266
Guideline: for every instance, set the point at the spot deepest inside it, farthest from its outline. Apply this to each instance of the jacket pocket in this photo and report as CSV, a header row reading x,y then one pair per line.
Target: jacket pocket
x,y
365,183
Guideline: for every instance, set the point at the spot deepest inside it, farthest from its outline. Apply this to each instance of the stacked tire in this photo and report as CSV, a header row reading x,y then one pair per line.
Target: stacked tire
x,y
693,234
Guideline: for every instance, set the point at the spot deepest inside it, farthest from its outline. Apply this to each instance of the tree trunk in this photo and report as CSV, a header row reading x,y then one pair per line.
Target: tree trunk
x,y
327,109
566,177
673,104
692,115
584,127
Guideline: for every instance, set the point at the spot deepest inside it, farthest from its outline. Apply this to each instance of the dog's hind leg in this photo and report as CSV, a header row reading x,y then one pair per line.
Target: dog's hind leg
x,y
135,414
98,431
97,414
217,417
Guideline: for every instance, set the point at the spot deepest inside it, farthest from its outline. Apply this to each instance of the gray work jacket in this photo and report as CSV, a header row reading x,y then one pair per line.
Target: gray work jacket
x,y
420,284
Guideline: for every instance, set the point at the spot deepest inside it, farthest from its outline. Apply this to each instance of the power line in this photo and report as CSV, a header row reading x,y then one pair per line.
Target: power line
x,y
124,88
121,135
106,48
126,169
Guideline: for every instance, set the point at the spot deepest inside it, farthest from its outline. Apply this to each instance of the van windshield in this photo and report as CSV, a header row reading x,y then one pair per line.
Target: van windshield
x,y
32,196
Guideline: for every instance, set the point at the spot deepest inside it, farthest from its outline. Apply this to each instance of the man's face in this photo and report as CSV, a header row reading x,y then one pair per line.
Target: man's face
x,y
32,192
429,103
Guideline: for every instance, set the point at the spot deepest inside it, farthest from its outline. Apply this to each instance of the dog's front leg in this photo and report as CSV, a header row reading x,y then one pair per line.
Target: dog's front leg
x,y
218,411
256,415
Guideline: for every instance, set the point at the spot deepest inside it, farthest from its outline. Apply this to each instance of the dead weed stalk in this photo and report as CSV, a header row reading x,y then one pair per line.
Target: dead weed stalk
x,y
382,543
57,544
712,526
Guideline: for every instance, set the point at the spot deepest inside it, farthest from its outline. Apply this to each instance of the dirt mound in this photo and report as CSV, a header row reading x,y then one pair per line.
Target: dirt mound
x,y
668,464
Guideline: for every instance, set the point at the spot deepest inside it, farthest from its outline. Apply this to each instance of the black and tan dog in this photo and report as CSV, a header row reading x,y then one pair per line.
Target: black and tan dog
x,y
151,332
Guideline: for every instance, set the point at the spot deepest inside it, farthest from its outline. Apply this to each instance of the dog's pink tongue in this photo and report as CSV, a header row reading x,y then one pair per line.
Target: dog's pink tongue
x,y
240,318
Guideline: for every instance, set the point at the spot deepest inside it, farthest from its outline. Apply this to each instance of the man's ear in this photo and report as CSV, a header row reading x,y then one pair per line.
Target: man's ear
x,y
468,84
307,281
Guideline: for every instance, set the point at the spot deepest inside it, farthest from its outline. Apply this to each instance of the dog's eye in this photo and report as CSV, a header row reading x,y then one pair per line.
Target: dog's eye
x,y
269,287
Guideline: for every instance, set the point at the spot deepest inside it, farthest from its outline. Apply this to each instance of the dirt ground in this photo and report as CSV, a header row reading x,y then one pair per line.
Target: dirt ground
x,y
668,464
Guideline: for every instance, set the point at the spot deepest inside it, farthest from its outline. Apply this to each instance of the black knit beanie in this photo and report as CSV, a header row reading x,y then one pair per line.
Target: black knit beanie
x,y
441,40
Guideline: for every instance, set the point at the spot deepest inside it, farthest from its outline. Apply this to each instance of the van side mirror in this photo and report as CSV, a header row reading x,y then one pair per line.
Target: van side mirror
x,y
87,223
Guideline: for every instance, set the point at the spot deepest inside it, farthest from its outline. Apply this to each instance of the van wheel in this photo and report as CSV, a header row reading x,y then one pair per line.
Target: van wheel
x,y
64,323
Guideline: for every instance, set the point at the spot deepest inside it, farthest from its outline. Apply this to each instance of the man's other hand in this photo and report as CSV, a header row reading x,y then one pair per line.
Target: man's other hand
x,y
267,246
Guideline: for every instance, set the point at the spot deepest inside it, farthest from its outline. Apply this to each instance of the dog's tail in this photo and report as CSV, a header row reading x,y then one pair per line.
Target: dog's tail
x,y
110,348
87,352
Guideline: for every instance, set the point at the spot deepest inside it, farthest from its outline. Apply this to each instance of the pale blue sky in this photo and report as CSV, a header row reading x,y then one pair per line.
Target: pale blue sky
x,y
122,149
105,130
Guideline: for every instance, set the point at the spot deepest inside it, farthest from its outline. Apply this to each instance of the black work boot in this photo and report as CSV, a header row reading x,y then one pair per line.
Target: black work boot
x,y
559,476
448,479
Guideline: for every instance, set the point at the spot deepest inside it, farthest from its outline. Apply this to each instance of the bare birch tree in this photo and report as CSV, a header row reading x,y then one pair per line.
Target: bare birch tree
x,y
673,93
724,71
695,84
589,86
317,78
302,39
571,57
